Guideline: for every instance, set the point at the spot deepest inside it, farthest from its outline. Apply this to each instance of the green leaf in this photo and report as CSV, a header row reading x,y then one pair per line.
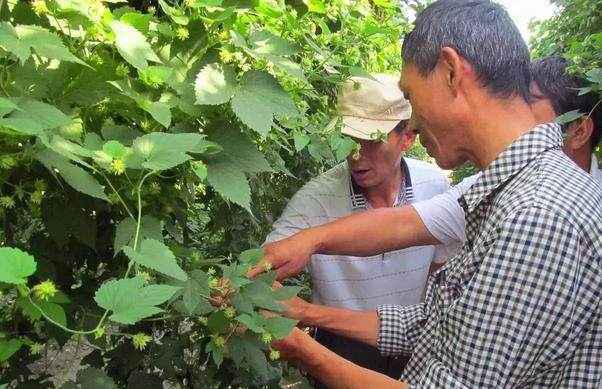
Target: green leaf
x,y
286,292
8,348
217,322
260,97
251,256
155,75
317,6
15,265
279,327
33,117
7,106
54,311
568,117
82,181
215,84
301,140
157,256
132,45
176,14
254,323
264,43
200,169
261,296
130,301
20,40
93,378
114,149
247,353
230,183
595,75
196,285
159,110
162,151
150,227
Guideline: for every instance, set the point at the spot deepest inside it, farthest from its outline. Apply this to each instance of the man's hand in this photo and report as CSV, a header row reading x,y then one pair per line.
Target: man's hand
x,y
288,257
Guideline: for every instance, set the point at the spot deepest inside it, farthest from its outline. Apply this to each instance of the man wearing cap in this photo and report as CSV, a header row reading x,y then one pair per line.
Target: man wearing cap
x,y
375,177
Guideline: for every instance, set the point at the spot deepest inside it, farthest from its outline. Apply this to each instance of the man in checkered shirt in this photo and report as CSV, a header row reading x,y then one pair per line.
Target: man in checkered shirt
x,y
519,306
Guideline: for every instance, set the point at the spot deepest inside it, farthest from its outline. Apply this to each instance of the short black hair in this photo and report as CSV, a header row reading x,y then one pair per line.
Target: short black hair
x,y
562,89
483,33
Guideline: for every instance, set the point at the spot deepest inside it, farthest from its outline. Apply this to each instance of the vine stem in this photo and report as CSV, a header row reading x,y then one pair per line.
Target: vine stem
x,y
127,273
127,209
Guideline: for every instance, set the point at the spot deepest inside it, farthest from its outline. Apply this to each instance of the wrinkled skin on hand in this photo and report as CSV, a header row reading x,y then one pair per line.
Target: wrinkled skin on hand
x,y
287,257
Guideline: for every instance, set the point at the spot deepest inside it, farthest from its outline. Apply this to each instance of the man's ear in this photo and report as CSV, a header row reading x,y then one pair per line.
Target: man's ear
x,y
452,67
407,139
579,133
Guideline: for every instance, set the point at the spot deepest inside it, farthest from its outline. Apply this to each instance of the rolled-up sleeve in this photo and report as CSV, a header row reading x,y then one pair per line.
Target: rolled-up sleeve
x,y
400,327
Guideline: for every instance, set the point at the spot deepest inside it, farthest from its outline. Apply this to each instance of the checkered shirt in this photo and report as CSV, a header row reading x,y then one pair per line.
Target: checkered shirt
x,y
519,306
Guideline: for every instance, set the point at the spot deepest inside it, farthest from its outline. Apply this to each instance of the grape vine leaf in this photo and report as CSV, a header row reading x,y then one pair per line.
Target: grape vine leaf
x,y
130,301
132,45
157,256
150,227
258,98
215,84
33,117
15,265
8,348
21,39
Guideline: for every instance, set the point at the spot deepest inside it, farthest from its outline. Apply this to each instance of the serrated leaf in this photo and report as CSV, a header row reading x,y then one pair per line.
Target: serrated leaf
x,y
15,265
239,150
253,323
132,45
217,322
8,348
162,151
159,110
258,99
215,84
261,296
247,353
194,289
150,227
568,117
279,327
155,75
230,183
93,378
157,256
33,117
130,301
10,41
286,292
251,256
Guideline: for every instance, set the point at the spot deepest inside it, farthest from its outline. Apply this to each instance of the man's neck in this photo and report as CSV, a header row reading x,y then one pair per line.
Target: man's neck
x,y
385,194
496,127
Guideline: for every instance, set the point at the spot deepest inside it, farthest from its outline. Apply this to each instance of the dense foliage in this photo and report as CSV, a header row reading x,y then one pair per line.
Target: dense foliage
x,y
575,32
143,146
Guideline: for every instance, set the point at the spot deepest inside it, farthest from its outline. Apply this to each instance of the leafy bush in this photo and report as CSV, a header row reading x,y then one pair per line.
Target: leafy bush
x,y
144,145
575,32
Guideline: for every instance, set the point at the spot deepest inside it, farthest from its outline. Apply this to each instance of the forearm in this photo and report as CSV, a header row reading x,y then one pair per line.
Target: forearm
x,y
336,372
362,326
371,232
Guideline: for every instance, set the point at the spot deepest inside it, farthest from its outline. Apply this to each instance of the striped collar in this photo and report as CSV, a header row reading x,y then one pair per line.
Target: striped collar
x,y
405,196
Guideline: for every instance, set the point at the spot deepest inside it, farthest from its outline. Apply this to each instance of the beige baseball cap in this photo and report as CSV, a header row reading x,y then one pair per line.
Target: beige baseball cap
x,y
369,106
